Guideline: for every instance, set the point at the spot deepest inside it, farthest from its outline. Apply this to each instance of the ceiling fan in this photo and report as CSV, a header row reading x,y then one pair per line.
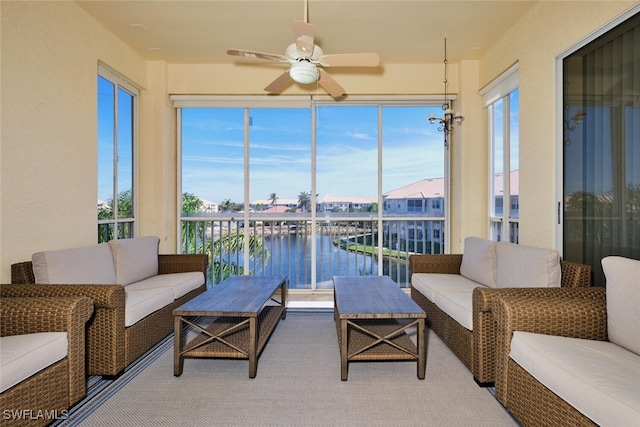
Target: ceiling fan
x,y
306,60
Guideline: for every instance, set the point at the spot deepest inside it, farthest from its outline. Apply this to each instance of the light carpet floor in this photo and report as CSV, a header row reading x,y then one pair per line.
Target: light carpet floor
x,y
298,384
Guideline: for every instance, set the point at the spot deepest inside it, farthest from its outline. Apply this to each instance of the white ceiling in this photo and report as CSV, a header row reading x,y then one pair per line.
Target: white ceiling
x,y
200,31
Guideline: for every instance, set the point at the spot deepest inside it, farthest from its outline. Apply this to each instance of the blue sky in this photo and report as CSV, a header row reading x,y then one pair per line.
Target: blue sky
x,y
280,151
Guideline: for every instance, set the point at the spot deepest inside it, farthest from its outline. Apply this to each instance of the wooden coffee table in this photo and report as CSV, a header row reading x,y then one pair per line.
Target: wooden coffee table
x,y
372,316
241,318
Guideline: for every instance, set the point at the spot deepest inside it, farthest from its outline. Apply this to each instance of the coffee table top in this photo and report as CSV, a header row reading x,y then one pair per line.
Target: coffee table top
x,y
235,296
372,297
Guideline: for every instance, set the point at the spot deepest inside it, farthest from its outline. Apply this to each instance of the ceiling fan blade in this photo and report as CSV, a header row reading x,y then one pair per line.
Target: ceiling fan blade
x,y
330,85
304,33
350,60
279,83
256,55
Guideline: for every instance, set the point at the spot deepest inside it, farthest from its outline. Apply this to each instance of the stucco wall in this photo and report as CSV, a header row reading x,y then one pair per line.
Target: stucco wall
x,y
50,53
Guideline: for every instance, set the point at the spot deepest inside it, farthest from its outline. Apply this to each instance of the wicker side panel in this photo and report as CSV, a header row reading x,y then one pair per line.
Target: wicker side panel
x,y
483,349
22,272
456,337
147,332
106,342
575,275
437,263
568,317
48,390
178,263
532,404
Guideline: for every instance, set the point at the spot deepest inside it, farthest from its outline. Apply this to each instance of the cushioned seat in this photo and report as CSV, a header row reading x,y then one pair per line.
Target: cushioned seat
x,y
456,291
573,361
42,356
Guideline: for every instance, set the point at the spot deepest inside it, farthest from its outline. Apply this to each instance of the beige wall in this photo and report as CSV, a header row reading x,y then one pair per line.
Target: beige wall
x,y
48,177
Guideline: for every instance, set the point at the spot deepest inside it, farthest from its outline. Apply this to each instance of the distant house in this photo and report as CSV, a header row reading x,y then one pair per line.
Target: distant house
x,y
331,203
267,205
424,198
209,207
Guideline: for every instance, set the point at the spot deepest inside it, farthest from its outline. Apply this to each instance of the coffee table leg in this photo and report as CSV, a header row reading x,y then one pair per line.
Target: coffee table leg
x,y
344,363
178,360
253,345
422,358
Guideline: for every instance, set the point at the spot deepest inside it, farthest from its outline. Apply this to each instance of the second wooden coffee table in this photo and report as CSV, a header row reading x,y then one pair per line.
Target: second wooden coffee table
x,y
242,320
372,316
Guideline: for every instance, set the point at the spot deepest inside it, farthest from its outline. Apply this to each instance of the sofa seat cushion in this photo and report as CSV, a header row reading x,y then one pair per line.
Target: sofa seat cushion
x,y
135,259
598,378
85,265
429,284
22,356
479,261
180,283
520,266
458,305
141,303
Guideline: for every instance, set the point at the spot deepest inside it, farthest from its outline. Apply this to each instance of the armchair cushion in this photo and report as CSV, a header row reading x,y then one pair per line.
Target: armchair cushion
x,y
135,259
89,264
521,266
598,378
23,355
479,261
623,300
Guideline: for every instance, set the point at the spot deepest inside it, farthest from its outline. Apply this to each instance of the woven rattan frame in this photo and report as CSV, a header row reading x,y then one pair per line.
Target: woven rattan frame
x,y
476,349
526,398
110,346
59,386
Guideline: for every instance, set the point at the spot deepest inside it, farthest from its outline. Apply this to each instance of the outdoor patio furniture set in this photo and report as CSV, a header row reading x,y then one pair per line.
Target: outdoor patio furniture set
x,y
476,301
498,306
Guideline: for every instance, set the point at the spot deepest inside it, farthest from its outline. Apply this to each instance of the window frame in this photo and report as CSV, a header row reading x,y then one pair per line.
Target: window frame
x,y
121,83
500,90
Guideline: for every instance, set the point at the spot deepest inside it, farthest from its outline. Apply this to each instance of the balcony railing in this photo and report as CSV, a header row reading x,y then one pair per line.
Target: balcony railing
x,y
311,252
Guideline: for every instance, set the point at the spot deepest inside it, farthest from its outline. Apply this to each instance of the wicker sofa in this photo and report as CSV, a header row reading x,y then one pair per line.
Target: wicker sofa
x,y
573,361
134,297
40,385
473,340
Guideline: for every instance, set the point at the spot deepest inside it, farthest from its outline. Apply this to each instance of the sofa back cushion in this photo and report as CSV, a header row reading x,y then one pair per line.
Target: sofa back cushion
x,y
84,265
135,259
623,300
520,266
479,261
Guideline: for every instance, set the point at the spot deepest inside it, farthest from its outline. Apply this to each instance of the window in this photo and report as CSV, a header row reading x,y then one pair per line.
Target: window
x,y
601,149
299,187
117,113
501,99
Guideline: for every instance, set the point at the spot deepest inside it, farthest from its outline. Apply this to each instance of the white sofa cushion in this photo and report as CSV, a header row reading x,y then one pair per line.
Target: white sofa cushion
x,y
84,265
141,303
180,283
598,378
479,261
521,266
21,356
623,300
430,284
135,259
458,305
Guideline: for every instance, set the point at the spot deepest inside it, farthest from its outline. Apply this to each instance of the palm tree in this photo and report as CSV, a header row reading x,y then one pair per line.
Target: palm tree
x,y
304,201
273,198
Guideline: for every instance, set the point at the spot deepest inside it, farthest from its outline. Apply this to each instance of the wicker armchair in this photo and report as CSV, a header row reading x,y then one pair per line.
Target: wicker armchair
x,y
110,346
57,387
531,403
476,349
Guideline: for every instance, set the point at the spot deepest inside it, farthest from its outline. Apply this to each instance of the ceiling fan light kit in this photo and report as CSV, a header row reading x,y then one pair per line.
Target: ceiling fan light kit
x,y
304,72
